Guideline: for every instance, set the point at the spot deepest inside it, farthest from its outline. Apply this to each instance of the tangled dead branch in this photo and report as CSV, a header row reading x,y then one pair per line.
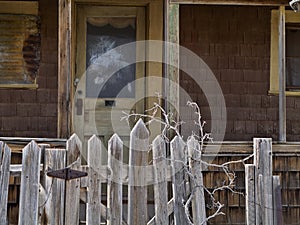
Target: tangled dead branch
x,y
157,114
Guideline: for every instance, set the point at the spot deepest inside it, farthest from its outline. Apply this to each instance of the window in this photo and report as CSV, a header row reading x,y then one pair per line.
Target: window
x,y
292,52
19,44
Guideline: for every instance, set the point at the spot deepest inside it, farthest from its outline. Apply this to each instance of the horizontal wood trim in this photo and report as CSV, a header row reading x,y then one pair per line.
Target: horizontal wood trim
x,y
231,2
117,2
19,7
21,86
287,93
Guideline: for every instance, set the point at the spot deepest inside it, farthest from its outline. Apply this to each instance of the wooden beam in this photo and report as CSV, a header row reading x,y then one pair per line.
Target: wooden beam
x,y
232,2
172,58
281,73
64,68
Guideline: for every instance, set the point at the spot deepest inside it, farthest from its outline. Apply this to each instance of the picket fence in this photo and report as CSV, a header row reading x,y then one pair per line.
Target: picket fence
x,y
48,200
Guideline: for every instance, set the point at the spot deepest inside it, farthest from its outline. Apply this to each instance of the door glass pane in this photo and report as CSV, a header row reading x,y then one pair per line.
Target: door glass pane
x,y
105,34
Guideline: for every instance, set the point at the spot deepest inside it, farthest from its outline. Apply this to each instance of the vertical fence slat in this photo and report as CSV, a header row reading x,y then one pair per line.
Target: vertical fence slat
x,y
263,164
30,179
94,180
160,182
5,156
178,162
73,186
138,160
115,162
55,159
198,201
250,194
277,205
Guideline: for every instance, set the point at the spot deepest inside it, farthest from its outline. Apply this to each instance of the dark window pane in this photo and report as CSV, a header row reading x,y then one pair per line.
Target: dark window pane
x,y
292,56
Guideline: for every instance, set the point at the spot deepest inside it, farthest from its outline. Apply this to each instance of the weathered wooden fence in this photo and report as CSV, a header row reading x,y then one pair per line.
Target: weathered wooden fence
x,y
263,195
47,200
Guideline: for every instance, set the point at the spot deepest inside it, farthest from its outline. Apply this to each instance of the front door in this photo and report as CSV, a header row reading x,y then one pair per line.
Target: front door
x,y
102,94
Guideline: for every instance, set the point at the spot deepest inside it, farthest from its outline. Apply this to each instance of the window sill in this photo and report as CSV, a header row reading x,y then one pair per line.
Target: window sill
x,y
19,86
287,93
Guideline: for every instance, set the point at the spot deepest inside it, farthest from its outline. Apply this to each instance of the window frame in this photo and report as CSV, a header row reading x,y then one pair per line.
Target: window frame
x,y
24,8
290,17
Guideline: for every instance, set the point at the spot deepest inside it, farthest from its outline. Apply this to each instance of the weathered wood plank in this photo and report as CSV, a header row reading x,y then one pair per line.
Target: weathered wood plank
x,y
115,163
64,67
172,58
178,163
30,179
5,156
198,201
170,210
55,159
138,152
160,181
277,205
232,2
94,180
73,160
250,194
263,164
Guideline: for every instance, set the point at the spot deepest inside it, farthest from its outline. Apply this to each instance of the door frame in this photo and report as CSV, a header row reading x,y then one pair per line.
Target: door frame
x,y
67,53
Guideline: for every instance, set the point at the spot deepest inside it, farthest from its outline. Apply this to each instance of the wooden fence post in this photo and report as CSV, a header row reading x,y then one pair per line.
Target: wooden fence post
x,y
178,163
30,179
198,201
277,205
94,180
5,155
55,159
160,181
263,164
137,186
250,194
114,190
73,160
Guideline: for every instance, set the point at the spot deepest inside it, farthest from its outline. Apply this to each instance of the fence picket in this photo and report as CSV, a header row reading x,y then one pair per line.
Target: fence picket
x,y
263,164
30,179
94,180
160,181
250,194
73,160
178,162
138,160
55,159
277,205
5,156
198,201
115,158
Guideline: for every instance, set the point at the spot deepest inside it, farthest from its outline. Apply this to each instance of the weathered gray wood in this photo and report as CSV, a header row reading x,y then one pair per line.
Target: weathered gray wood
x,y
30,179
170,210
160,181
172,58
277,205
137,189
73,161
263,164
94,180
5,155
282,75
198,201
115,163
55,159
250,194
178,163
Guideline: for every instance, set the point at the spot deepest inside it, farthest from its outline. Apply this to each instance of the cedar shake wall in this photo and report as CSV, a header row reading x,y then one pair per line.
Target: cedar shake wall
x,y
33,113
235,43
